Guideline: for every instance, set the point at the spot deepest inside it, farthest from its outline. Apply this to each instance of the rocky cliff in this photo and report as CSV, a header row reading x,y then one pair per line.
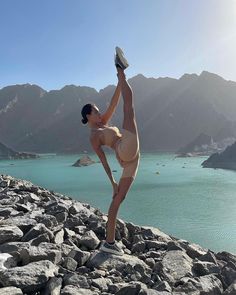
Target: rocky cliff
x,y
225,159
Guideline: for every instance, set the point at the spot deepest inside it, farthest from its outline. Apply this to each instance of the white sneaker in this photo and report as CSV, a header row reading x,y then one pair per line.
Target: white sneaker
x,y
120,59
114,249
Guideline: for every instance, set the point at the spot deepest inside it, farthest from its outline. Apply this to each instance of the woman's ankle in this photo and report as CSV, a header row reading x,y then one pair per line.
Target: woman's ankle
x,y
111,242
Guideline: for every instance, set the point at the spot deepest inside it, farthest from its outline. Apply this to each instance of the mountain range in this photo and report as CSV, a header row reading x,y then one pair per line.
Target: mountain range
x,y
170,113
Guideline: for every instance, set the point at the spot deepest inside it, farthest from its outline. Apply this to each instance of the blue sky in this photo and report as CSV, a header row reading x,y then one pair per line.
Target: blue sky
x,y
53,43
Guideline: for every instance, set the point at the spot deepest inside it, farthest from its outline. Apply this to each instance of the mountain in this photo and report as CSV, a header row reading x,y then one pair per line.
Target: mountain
x,y
204,144
170,113
8,153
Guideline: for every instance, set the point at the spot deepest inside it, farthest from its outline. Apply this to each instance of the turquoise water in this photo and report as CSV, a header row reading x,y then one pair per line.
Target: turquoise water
x,y
193,203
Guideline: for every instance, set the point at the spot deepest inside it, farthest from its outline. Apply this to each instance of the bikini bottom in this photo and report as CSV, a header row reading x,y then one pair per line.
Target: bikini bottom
x,y
128,153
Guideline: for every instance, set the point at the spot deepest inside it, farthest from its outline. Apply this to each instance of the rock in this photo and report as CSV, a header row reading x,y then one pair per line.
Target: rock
x,y
37,253
24,223
163,286
154,233
50,245
7,261
84,161
209,256
101,283
193,250
231,290
13,246
150,244
59,237
228,273
53,286
72,290
36,231
69,263
81,257
89,240
76,280
40,239
10,291
208,284
175,265
139,247
202,268
10,233
30,277
110,261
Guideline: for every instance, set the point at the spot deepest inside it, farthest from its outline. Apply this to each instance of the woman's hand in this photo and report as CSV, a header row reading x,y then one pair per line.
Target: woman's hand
x,y
115,189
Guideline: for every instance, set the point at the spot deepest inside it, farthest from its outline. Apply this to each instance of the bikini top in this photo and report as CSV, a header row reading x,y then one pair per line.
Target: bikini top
x,y
110,135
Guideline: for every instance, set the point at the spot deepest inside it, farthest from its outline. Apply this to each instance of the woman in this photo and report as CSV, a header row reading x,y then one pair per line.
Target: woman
x,y
125,145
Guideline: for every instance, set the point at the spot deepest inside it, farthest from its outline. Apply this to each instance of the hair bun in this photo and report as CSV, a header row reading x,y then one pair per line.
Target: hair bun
x,y
84,121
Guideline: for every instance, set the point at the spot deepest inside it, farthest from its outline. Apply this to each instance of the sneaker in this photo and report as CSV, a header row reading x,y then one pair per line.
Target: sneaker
x,y
120,59
114,249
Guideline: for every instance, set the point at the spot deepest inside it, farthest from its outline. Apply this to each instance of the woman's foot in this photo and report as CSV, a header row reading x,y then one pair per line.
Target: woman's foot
x,y
120,60
111,248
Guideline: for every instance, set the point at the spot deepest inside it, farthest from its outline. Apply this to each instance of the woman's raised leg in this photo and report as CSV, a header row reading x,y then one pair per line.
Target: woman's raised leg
x,y
129,121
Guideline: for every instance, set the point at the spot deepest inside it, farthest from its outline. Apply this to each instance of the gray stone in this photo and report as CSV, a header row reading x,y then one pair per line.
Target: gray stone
x,y
7,261
76,280
10,233
89,240
40,239
73,290
36,231
156,245
204,268
53,286
37,253
139,247
193,250
101,283
14,246
175,265
231,290
80,256
30,277
69,263
10,291
59,237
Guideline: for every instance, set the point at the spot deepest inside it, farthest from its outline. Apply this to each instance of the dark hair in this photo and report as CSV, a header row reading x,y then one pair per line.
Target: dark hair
x,y
87,109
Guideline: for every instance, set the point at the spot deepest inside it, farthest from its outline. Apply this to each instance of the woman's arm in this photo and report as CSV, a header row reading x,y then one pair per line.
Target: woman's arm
x,y
114,102
99,151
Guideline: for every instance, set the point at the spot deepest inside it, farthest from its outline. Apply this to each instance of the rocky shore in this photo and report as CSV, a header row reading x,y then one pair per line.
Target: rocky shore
x,y
49,244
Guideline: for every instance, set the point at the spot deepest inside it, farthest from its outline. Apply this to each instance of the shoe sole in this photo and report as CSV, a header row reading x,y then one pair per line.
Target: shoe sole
x,y
120,54
110,251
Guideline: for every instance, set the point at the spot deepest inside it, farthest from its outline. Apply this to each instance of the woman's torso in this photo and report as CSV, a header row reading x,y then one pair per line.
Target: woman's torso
x,y
108,135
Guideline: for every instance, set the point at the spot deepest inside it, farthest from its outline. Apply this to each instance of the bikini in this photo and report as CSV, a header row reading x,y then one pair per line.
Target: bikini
x,y
126,148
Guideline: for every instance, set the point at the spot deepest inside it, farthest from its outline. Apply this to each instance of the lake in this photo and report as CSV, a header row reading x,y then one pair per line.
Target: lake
x,y
176,195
